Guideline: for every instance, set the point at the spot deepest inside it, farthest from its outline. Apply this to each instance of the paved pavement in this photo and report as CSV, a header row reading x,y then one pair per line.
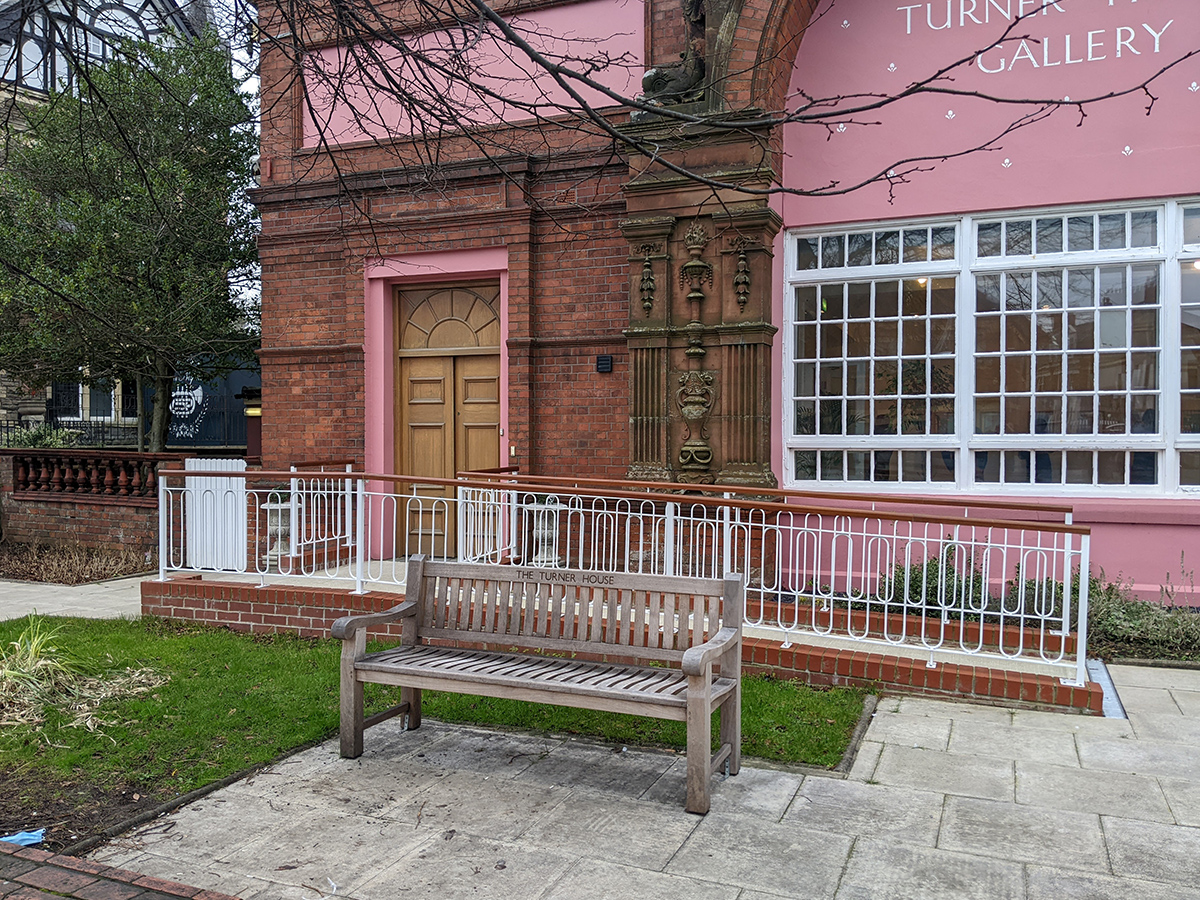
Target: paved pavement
x,y
107,600
945,800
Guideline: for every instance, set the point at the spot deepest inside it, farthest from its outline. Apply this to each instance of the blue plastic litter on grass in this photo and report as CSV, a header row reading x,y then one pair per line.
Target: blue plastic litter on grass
x,y
25,838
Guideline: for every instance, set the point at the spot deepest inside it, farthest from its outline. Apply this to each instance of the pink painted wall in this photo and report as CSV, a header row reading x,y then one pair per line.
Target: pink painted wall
x,y
1070,48
607,31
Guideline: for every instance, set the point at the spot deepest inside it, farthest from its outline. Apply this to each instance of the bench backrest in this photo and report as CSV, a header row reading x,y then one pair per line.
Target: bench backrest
x,y
654,617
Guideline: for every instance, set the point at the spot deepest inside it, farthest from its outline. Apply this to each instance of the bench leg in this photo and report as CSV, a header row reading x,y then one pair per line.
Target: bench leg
x,y
352,718
412,696
731,728
351,705
699,745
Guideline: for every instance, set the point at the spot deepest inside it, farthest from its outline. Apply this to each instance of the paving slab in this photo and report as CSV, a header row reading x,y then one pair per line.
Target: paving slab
x,y
639,834
1082,790
495,753
852,808
1183,795
1012,742
1024,834
454,866
1155,677
1187,701
948,773
763,791
1140,757
1057,884
949,709
596,879
1152,851
1150,700
587,766
887,870
930,732
117,599
865,761
1173,727
1068,723
774,858
453,801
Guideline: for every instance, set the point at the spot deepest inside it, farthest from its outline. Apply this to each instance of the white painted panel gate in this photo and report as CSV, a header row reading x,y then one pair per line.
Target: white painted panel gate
x,y
215,515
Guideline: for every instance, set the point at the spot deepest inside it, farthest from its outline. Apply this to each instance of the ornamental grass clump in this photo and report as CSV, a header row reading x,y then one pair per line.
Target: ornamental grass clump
x,y
1119,625
38,675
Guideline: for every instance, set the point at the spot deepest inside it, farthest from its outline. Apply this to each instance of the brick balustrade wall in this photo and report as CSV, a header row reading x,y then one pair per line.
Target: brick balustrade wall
x,y
311,611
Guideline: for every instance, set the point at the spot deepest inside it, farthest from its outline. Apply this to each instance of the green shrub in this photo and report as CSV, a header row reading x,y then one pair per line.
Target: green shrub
x,y
43,437
1120,625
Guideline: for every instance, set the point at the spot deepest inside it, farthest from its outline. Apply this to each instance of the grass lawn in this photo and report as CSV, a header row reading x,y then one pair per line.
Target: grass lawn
x,y
234,700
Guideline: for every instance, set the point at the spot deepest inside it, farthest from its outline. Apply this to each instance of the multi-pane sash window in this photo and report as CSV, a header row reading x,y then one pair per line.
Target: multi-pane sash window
x,y
1040,353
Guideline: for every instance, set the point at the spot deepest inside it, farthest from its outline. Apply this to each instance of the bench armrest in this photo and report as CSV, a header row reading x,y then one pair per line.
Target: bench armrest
x,y
696,658
344,628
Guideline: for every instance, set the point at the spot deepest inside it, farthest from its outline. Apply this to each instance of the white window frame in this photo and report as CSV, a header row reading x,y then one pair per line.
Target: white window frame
x,y
1170,254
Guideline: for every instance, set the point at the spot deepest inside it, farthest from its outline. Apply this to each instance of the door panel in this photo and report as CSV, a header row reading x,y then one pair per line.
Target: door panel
x,y
449,421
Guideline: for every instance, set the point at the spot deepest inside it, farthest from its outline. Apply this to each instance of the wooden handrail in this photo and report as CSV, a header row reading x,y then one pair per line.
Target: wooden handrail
x,y
790,508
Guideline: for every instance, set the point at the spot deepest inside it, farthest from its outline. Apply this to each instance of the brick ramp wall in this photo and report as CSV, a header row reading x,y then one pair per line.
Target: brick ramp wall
x,y
310,611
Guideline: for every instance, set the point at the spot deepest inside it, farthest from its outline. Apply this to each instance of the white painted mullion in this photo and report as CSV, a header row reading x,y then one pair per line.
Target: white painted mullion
x,y
964,347
1170,354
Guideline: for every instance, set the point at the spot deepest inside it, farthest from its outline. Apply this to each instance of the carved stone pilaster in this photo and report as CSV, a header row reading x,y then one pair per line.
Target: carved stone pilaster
x,y
696,396
695,274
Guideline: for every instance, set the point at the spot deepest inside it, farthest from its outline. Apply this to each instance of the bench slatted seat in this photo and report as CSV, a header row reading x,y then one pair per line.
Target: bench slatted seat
x,y
656,646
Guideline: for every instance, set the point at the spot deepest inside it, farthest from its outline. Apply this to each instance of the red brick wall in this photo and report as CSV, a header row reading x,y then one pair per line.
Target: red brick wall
x,y
100,524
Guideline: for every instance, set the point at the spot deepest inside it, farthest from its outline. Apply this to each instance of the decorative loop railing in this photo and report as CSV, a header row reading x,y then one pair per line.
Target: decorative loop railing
x,y
944,579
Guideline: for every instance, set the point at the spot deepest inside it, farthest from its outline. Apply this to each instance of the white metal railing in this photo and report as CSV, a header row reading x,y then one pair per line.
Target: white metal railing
x,y
1004,590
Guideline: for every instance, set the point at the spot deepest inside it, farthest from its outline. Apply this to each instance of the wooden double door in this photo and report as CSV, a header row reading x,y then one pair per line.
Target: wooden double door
x,y
448,407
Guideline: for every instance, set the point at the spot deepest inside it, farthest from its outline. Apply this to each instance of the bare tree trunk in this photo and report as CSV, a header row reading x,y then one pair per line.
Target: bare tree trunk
x,y
141,417
160,417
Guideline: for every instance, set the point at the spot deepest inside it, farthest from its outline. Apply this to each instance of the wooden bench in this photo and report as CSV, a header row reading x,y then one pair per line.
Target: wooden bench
x,y
676,646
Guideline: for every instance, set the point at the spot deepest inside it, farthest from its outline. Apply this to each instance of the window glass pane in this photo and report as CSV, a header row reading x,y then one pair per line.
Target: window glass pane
x,y
941,376
1112,232
1079,467
987,466
806,463
987,375
941,416
1081,233
1189,326
1016,333
859,250
858,417
1189,419
1145,285
887,248
857,466
1144,414
1018,238
1049,331
912,415
858,339
941,296
1016,466
1047,415
887,299
1049,368
1047,468
987,293
942,243
1112,287
806,380
831,379
1143,371
1049,235
806,253
806,304
806,417
1145,328
885,417
1190,277
831,341
1114,418
886,466
914,465
1143,468
987,334
1112,371
989,239
1016,374
912,377
941,335
1016,415
987,415
833,251
831,465
1113,328
1081,287
832,302
64,399
886,338
916,302
1049,289
941,465
858,302
1143,231
1191,225
1081,414
887,378
1111,467
1081,330
1018,290
858,378
831,417
916,245
1189,468
100,400
1190,370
